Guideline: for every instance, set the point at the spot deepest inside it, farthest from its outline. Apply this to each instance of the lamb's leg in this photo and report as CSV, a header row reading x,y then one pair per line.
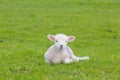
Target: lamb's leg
x,y
68,60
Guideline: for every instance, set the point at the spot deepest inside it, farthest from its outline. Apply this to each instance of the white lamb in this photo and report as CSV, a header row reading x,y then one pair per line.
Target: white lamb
x,y
60,52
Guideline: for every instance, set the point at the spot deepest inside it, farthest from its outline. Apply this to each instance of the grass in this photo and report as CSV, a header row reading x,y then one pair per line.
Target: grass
x,y
25,24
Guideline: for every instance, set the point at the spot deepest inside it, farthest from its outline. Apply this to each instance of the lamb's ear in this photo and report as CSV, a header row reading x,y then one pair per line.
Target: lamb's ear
x,y
51,37
71,38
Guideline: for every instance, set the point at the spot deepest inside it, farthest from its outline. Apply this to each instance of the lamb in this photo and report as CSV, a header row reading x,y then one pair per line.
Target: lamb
x,y
60,52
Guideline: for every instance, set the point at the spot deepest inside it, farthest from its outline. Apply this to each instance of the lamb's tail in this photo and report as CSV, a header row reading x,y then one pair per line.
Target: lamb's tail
x,y
76,59
84,58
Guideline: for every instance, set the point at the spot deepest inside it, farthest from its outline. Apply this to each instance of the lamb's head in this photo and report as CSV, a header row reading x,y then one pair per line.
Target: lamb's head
x,y
61,40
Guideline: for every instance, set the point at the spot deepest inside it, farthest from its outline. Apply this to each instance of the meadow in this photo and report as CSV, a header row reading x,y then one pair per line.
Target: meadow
x,y
25,24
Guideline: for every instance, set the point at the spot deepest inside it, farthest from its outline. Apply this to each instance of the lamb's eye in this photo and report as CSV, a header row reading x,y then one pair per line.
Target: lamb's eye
x,y
56,41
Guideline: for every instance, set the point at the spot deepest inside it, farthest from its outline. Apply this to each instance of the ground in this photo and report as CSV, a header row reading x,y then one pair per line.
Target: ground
x,y
24,25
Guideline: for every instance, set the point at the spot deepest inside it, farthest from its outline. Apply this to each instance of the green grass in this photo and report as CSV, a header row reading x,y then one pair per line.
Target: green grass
x,y
24,25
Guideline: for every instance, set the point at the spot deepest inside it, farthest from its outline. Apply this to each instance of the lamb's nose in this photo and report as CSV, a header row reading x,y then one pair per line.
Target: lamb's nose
x,y
61,46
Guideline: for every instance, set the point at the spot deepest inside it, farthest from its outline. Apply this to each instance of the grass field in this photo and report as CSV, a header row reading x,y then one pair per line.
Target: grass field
x,y
24,25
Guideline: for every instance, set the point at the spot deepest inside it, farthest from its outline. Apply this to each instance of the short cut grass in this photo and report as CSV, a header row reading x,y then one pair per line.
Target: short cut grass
x,y
24,25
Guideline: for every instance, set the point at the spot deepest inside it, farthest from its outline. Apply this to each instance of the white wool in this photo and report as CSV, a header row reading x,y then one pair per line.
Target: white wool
x,y
60,52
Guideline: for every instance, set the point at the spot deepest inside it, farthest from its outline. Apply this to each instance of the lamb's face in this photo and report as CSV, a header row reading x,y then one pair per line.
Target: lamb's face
x,y
61,40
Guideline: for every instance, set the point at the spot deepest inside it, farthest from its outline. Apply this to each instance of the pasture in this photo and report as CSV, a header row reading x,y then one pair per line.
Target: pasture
x,y
24,25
